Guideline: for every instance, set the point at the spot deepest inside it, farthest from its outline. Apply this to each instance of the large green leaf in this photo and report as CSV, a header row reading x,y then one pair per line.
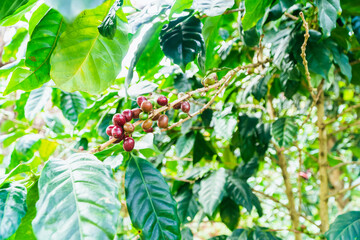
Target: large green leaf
x,y
187,205
284,131
39,49
212,7
254,10
211,32
19,12
240,192
212,191
328,11
71,105
346,226
229,213
71,8
36,101
184,145
181,40
8,7
78,199
151,207
12,209
186,234
97,61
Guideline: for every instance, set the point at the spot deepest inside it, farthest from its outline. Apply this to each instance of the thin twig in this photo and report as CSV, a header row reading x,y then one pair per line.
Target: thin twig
x,y
299,179
343,191
291,16
343,164
343,128
342,113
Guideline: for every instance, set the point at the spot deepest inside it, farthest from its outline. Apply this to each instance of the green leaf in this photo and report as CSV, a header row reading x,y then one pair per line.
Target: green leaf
x,y
78,191
145,186
187,205
239,234
350,7
71,8
97,61
141,88
263,234
240,192
254,10
108,27
12,48
36,101
186,234
229,213
20,11
247,169
246,136
345,226
184,145
181,40
179,6
284,131
36,17
54,123
355,22
71,105
212,7
8,7
341,59
203,148
251,37
211,32
260,88
224,126
21,168
328,13
12,209
212,191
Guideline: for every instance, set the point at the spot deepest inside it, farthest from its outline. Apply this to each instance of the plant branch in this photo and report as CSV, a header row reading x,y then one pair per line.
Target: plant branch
x,y
342,113
343,164
320,89
342,191
345,127
299,178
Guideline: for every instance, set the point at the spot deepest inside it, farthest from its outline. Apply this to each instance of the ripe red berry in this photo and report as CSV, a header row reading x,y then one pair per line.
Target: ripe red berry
x,y
117,132
140,99
129,144
146,106
150,130
127,114
81,148
177,106
136,112
147,124
185,107
119,120
109,129
163,121
129,128
162,101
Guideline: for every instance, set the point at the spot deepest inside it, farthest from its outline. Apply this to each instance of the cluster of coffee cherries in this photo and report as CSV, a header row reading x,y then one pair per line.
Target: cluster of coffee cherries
x,y
122,127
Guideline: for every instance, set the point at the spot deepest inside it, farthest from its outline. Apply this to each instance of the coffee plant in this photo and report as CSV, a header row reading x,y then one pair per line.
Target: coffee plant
x,y
179,119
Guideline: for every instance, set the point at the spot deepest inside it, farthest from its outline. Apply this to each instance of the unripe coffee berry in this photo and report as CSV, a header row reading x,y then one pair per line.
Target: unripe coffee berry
x,y
117,132
129,144
183,115
119,120
127,114
150,130
147,124
109,129
146,106
163,121
162,101
177,106
196,95
140,99
143,116
185,107
136,112
129,127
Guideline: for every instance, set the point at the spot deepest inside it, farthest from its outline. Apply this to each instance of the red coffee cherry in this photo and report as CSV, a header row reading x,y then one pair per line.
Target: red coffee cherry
x,y
119,120
150,130
146,106
127,114
129,128
140,99
117,132
185,107
162,101
163,121
177,106
109,129
147,124
129,144
136,112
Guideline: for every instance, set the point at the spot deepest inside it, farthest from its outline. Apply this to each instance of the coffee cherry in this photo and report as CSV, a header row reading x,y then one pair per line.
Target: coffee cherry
x,y
150,130
183,115
155,118
109,129
146,106
129,144
163,121
128,115
196,95
140,99
177,106
136,112
147,124
143,116
119,120
129,127
185,107
117,132
162,101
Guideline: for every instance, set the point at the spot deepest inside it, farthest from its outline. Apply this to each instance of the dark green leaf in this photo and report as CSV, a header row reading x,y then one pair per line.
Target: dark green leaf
x,y
240,192
319,58
355,22
345,226
187,205
71,105
12,209
145,186
284,131
186,234
184,145
260,88
341,59
229,213
105,122
181,40
18,13
212,7
54,123
36,101
247,169
254,10
8,7
251,37
328,12
108,26
78,191
202,148
212,191
239,234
